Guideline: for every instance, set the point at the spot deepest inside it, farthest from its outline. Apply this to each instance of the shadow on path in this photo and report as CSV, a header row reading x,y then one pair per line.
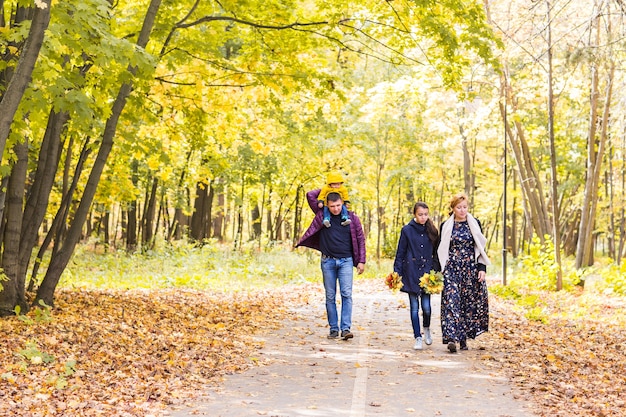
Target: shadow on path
x,y
377,373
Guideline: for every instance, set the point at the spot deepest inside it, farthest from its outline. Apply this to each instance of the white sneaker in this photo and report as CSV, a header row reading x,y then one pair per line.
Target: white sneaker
x,y
427,336
418,343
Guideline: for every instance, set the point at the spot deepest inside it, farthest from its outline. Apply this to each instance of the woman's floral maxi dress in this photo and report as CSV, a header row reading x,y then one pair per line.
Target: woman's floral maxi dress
x,y
464,300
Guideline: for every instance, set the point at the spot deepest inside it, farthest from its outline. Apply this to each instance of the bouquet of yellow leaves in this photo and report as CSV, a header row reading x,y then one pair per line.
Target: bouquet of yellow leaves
x,y
394,281
432,282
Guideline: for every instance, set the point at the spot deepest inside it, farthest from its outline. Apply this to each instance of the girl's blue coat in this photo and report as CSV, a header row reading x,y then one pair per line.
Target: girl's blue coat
x,y
415,256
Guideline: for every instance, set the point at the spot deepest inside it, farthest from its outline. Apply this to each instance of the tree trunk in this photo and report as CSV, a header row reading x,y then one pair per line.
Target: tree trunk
x,y
297,215
4,183
532,190
622,221
59,260
239,233
219,221
595,153
179,221
148,225
256,222
609,191
467,165
39,194
58,223
22,76
104,224
131,221
197,231
13,293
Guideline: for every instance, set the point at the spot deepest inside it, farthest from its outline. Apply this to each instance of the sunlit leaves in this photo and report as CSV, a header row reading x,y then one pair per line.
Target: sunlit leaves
x,y
570,366
123,353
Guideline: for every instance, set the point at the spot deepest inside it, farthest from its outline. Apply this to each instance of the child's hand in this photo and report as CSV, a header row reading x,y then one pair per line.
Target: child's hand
x,y
320,204
347,205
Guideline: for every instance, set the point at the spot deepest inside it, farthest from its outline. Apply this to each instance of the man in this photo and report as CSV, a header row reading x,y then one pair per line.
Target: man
x,y
342,248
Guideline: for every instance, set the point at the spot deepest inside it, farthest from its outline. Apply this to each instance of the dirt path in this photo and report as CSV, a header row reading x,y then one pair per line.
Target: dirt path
x,y
377,373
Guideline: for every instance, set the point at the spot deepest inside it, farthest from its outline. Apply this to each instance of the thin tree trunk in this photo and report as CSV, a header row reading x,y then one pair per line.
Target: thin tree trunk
x,y
131,221
239,234
3,197
556,229
255,216
13,293
467,165
198,218
58,223
39,194
595,153
622,222
219,220
532,191
297,215
22,76
148,225
60,259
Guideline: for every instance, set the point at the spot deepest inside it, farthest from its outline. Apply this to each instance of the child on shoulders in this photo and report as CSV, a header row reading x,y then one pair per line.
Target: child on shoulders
x,y
334,184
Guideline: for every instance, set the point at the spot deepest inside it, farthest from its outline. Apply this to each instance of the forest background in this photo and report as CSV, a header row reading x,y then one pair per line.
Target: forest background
x,y
127,124
141,133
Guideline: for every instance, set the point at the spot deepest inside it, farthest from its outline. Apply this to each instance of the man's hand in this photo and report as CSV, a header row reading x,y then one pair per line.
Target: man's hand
x,y
360,267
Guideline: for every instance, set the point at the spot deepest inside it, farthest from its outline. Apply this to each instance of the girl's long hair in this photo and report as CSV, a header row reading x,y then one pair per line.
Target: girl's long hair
x,y
431,229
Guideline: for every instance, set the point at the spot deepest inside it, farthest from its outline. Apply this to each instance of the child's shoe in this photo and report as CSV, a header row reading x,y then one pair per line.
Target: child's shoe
x,y
427,336
346,222
418,343
326,222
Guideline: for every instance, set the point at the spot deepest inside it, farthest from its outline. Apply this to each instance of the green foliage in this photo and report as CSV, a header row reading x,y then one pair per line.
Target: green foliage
x,y
31,355
613,279
530,303
505,291
537,269
211,266
42,314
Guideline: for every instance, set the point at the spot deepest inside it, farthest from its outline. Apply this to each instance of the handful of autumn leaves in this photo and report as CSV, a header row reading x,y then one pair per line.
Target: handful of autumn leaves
x,y
432,282
394,281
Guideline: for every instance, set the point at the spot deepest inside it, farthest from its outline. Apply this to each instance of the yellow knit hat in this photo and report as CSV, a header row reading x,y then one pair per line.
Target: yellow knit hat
x,y
333,177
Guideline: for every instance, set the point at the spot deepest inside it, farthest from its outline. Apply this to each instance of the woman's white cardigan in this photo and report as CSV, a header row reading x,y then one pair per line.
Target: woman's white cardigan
x,y
480,241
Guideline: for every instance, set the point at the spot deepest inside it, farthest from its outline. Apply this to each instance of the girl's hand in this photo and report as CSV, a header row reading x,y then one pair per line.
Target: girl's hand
x,y
481,276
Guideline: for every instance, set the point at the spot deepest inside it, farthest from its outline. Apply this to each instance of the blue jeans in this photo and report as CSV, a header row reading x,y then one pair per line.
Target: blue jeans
x,y
414,302
333,270
344,213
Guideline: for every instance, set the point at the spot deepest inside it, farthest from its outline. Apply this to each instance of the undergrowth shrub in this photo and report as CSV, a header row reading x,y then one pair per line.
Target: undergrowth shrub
x,y
207,266
613,279
537,269
536,272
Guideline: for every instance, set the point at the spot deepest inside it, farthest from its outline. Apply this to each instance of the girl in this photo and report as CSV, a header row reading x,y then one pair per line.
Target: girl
x,y
414,258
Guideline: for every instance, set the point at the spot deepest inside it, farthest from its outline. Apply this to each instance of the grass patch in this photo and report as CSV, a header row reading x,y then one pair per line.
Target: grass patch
x,y
212,266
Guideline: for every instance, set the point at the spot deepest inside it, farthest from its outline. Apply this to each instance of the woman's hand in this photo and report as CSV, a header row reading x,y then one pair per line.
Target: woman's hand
x,y
481,276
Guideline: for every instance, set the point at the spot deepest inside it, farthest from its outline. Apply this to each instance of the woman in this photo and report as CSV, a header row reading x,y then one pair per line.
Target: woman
x,y
461,253
415,256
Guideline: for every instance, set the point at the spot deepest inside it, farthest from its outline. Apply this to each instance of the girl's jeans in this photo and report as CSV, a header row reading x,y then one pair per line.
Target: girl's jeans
x,y
414,302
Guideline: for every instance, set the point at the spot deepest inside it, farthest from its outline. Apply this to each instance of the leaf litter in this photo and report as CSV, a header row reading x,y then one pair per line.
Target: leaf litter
x,y
136,353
